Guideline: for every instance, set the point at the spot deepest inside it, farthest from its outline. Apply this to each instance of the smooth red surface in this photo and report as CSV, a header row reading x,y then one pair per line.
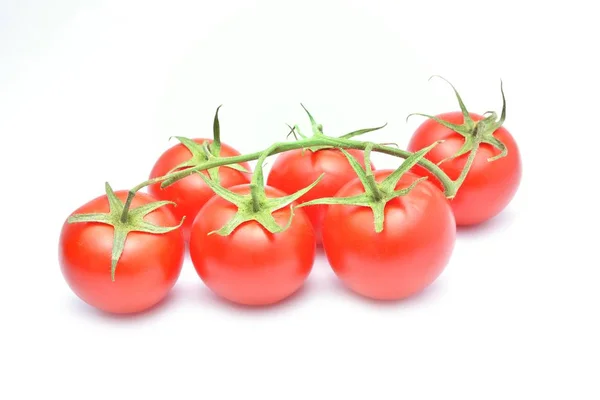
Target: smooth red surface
x,y
489,186
147,270
408,255
295,170
191,193
252,266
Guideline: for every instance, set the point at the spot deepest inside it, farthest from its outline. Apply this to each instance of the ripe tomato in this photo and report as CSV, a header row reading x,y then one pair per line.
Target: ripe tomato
x,y
191,193
252,266
489,186
146,271
297,169
408,255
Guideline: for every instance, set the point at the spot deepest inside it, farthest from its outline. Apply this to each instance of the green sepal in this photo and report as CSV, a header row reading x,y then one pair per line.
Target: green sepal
x,y
474,133
292,132
405,191
358,169
201,153
362,132
317,129
298,135
119,238
216,145
280,202
467,146
199,157
389,183
256,206
376,195
295,129
468,123
499,145
134,222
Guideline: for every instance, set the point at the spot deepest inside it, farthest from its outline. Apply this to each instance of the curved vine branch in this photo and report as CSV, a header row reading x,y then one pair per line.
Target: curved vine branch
x,y
475,133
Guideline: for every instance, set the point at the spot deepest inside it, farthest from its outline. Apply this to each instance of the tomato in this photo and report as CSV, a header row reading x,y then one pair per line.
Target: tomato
x,y
489,186
191,193
296,169
146,270
252,266
413,249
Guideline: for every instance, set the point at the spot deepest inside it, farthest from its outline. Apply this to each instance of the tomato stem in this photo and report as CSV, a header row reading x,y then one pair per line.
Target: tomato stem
x,y
127,206
477,133
134,190
463,174
325,141
255,195
375,192
450,186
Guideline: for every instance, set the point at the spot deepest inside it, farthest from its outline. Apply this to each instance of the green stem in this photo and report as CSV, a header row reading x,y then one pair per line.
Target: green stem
x,y
479,135
375,192
463,174
134,190
255,195
273,149
127,206
450,186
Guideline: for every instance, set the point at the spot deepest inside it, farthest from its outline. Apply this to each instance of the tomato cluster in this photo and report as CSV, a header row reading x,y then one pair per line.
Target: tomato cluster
x,y
387,234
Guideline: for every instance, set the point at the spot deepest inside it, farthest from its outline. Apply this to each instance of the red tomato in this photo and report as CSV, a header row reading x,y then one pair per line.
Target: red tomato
x,y
408,255
489,186
191,193
252,266
296,169
147,269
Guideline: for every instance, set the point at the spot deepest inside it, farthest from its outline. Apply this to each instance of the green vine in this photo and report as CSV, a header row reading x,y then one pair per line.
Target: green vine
x,y
256,206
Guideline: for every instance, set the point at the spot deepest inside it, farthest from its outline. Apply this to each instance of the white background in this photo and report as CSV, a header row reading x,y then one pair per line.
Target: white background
x,y
91,91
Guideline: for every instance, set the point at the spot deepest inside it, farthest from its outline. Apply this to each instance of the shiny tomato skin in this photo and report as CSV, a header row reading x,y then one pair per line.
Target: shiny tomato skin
x,y
406,257
191,192
295,170
252,266
147,270
489,187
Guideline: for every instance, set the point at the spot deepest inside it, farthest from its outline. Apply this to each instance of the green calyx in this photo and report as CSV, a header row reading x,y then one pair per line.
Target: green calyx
x,y
202,153
124,220
317,130
474,132
376,194
256,206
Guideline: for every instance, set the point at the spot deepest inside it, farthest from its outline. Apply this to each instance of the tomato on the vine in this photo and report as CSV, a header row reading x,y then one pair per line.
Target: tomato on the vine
x,y
495,173
489,185
191,193
296,169
127,267
250,265
410,252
